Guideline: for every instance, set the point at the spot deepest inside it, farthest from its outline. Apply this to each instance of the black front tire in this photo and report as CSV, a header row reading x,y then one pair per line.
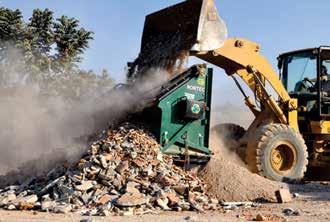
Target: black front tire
x,y
277,152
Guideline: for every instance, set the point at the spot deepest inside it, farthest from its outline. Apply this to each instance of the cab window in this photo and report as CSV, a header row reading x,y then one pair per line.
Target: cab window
x,y
297,69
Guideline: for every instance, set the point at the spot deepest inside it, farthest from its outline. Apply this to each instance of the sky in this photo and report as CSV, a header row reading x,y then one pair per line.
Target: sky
x,y
278,26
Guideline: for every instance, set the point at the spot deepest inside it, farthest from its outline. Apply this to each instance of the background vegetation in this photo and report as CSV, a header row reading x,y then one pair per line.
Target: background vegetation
x,y
46,51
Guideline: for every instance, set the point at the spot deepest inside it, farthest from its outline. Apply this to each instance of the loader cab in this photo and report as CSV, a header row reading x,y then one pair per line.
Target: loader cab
x,y
306,76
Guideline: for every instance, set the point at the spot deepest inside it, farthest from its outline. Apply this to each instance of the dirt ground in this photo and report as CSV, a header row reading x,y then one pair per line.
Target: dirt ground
x,y
312,203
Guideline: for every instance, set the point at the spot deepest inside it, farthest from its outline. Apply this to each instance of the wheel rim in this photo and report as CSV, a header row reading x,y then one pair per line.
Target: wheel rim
x,y
283,158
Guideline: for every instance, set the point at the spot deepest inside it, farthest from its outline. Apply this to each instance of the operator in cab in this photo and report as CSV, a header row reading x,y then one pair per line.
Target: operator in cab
x,y
325,83
310,85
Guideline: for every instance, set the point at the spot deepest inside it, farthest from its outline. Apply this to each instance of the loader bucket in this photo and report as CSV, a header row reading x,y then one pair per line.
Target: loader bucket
x,y
194,25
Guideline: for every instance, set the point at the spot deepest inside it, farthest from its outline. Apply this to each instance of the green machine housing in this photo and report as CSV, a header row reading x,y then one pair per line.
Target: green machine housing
x,y
179,116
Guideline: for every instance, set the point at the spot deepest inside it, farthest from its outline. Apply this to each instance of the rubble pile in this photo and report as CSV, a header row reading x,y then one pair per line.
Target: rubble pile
x,y
123,173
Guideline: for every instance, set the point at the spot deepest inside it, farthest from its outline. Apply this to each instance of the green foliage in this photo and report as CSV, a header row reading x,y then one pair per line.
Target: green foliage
x,y
39,37
70,39
46,50
11,25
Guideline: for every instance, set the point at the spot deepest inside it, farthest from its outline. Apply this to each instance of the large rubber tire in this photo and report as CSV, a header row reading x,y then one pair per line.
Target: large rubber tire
x,y
277,152
229,133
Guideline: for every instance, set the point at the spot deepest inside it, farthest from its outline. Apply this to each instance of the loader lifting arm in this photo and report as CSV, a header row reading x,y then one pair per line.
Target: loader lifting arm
x,y
242,57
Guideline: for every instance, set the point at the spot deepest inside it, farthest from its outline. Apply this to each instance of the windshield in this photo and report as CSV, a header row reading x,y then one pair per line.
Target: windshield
x,y
298,67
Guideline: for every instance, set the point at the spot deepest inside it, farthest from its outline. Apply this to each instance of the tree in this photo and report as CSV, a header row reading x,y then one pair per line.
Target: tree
x,y
71,41
11,25
39,38
46,43
46,51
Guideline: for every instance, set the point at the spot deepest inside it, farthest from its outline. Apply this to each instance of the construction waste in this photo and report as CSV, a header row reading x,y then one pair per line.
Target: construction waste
x,y
122,173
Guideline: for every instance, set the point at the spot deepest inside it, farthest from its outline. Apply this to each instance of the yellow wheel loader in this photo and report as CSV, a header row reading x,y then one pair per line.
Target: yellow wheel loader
x,y
291,128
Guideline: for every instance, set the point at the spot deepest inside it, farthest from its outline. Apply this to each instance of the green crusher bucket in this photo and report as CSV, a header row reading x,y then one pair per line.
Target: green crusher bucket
x,y
197,22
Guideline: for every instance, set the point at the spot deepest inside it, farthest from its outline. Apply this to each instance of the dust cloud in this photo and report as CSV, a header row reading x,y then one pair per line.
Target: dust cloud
x,y
228,108
232,113
39,132
224,148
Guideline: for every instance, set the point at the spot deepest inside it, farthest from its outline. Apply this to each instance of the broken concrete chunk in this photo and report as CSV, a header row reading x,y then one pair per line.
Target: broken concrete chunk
x,y
48,205
260,217
290,212
133,155
214,201
117,183
184,205
11,207
27,199
103,162
85,185
94,149
122,167
160,157
85,197
128,212
181,189
7,199
131,187
107,174
11,197
173,199
105,213
131,199
139,162
283,196
26,206
196,206
162,203
63,209
104,199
